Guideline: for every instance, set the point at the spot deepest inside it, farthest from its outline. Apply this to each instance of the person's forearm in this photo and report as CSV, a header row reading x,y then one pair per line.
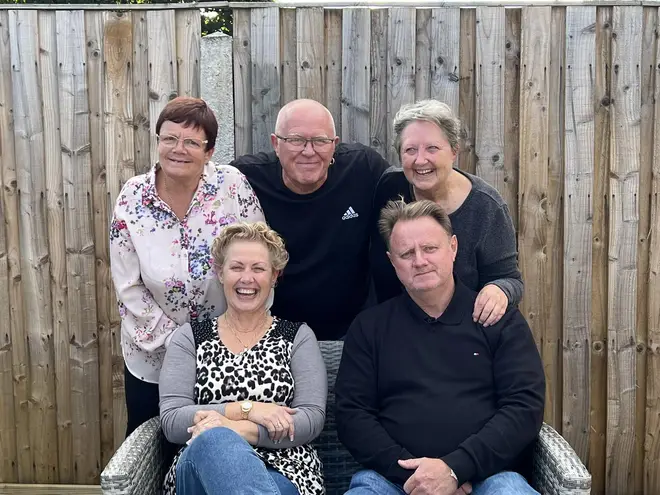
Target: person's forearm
x,y
248,430
175,422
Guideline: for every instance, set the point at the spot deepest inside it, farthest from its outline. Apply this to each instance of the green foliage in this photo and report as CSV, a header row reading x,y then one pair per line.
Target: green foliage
x,y
213,20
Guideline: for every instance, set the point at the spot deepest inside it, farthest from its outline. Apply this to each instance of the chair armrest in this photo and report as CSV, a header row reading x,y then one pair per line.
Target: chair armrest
x,y
557,468
138,466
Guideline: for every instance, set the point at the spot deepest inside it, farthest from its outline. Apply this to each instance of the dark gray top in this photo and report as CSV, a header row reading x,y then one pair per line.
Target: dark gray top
x,y
487,249
179,374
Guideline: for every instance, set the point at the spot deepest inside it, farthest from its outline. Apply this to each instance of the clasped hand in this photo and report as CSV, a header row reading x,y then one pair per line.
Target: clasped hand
x,y
431,477
278,420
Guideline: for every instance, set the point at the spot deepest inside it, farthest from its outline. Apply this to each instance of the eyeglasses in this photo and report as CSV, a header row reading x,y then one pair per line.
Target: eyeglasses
x,y
299,143
190,144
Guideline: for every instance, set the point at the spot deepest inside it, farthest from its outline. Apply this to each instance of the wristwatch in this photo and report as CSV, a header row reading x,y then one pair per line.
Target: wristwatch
x,y
453,475
246,407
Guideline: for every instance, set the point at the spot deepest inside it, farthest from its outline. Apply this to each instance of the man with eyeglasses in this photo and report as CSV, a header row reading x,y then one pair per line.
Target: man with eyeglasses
x,y
317,193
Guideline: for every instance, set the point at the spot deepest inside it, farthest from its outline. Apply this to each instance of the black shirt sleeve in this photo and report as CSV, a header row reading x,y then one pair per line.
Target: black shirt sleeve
x,y
520,389
356,392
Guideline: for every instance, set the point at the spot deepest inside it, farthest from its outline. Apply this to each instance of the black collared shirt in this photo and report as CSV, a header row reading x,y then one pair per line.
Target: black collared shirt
x,y
410,385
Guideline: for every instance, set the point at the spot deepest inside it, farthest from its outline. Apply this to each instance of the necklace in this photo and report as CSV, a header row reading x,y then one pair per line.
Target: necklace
x,y
232,329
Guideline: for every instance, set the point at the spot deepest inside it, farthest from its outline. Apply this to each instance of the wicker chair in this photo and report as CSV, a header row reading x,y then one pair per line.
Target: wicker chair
x,y
138,467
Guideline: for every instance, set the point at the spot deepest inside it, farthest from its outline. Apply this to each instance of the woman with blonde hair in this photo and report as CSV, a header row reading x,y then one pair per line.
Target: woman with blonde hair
x,y
246,391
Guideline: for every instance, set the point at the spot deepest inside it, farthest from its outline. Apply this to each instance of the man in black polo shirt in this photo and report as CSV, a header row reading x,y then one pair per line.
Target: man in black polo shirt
x,y
428,401
317,194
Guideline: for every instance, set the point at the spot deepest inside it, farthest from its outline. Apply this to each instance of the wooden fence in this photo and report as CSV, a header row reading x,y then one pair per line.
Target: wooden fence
x,y
560,114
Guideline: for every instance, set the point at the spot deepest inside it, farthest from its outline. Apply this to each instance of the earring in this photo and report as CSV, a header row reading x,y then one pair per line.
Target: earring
x,y
332,162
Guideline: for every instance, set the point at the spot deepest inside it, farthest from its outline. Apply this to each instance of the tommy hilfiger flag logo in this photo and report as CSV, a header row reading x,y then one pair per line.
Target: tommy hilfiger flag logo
x,y
350,213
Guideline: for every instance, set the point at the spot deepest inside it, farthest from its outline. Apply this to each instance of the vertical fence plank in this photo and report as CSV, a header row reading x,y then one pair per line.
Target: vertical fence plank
x,y
79,241
120,166
378,124
467,159
652,439
555,233
598,395
163,85
141,121
648,49
401,68
423,46
265,78
48,65
29,145
534,216
489,132
8,253
512,112
242,82
310,53
624,219
356,74
333,72
289,47
95,82
10,193
578,180
445,30
188,51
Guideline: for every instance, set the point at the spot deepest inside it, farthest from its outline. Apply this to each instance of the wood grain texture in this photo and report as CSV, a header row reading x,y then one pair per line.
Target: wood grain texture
x,y
578,214
552,341
8,253
445,29
467,159
242,49
652,437
163,80
49,75
333,72
12,489
141,120
622,248
489,131
104,295
356,75
288,49
265,77
79,243
535,215
511,112
188,51
401,68
598,376
423,45
29,146
310,53
378,123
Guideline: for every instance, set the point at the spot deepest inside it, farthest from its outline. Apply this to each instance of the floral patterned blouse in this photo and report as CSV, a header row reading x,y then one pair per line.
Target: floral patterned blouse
x,y
161,266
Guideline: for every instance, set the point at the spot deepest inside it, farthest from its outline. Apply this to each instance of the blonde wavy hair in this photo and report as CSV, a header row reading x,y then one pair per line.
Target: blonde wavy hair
x,y
255,232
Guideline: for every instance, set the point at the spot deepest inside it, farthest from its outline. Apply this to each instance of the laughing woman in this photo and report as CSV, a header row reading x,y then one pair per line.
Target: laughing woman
x,y
245,391
426,137
159,244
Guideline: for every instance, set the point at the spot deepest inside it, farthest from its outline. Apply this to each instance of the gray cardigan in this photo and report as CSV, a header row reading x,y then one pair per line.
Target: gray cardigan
x,y
178,376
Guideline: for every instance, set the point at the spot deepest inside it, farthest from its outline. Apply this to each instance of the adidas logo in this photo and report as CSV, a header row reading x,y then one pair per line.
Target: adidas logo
x,y
350,213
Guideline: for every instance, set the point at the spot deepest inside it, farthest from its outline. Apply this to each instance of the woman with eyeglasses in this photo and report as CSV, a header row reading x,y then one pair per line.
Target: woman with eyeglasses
x,y
160,237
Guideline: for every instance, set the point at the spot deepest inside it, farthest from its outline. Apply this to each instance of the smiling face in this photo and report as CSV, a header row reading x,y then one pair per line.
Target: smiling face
x,y
426,155
422,253
247,276
181,162
304,170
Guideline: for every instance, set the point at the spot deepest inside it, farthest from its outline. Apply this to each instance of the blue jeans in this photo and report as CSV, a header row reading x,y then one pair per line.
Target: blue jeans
x,y
504,483
220,461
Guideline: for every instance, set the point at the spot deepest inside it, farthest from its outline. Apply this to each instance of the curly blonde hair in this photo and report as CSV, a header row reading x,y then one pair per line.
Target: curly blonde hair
x,y
256,232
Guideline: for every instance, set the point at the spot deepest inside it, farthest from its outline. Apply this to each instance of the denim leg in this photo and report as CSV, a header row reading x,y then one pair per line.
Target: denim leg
x,y
221,462
504,483
367,482
283,483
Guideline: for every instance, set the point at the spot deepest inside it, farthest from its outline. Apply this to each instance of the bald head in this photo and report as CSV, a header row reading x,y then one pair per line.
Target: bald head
x,y
297,112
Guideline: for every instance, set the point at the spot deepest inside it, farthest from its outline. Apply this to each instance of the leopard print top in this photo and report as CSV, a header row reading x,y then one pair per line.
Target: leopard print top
x,y
261,374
